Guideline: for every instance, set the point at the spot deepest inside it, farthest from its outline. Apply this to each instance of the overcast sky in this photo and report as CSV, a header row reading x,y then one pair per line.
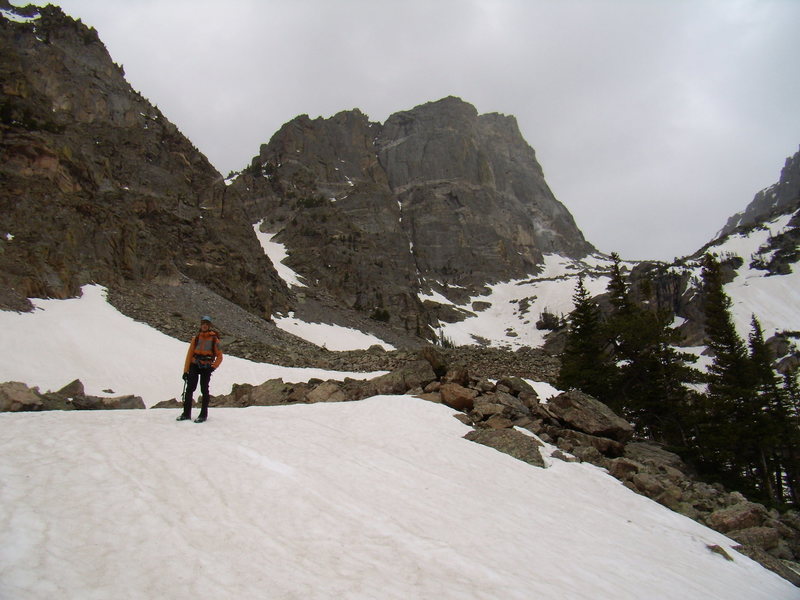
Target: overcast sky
x,y
654,120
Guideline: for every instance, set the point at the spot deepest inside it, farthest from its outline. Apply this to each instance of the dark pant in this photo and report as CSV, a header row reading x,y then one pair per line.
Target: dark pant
x,y
204,375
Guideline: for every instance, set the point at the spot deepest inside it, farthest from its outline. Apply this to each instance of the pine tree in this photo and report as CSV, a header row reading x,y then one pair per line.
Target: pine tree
x,y
747,437
648,386
730,371
584,363
721,427
617,287
790,436
768,413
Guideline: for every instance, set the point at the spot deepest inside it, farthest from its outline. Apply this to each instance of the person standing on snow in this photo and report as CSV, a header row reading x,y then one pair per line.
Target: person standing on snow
x,y
203,357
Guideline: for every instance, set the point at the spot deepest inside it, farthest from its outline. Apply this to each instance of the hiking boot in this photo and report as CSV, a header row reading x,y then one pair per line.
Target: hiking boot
x,y
183,418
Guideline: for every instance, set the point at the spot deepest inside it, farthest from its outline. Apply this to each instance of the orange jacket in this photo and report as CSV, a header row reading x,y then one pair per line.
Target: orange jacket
x,y
204,344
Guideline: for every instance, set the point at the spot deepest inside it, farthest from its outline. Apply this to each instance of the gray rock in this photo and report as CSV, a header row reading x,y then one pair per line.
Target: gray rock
x,y
764,538
591,455
605,446
17,397
270,393
418,373
584,413
517,385
653,454
647,484
328,391
623,468
498,422
741,516
511,442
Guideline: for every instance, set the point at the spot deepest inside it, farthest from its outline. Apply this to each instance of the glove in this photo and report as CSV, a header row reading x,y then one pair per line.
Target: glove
x,y
186,377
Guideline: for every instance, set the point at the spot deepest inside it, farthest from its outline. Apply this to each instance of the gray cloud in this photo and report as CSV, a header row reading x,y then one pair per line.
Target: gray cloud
x,y
654,120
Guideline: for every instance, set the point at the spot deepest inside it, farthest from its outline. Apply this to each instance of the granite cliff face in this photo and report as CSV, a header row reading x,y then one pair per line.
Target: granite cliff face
x,y
96,185
437,198
775,199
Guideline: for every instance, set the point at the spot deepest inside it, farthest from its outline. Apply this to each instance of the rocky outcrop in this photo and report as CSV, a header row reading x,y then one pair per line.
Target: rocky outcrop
x,y
98,186
582,412
18,397
778,198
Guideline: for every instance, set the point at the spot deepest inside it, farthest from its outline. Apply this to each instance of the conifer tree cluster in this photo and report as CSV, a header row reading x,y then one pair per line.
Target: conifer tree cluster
x,y
748,430
743,430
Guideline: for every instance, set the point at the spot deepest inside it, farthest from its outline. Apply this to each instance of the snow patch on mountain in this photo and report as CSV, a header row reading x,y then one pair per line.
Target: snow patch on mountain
x,y
332,337
774,299
277,253
515,306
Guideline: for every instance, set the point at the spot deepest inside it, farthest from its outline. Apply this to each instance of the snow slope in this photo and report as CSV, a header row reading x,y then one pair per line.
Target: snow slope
x,y
374,499
277,253
327,335
515,306
774,299
88,339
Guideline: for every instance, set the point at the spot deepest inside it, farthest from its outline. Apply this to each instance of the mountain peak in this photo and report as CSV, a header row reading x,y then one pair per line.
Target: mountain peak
x,y
777,198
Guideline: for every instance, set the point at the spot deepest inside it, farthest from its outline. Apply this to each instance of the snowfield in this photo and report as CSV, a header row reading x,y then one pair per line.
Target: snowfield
x,y
88,339
774,299
515,306
326,335
374,499
381,498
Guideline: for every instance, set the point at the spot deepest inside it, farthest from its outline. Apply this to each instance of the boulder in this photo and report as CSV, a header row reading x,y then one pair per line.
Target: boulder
x,y
434,397
738,517
117,403
435,358
270,393
484,386
516,405
516,385
564,457
457,374
623,468
498,422
589,454
647,484
414,374
458,397
671,498
71,390
18,397
650,453
605,446
584,413
765,538
484,407
510,441
328,391
128,402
